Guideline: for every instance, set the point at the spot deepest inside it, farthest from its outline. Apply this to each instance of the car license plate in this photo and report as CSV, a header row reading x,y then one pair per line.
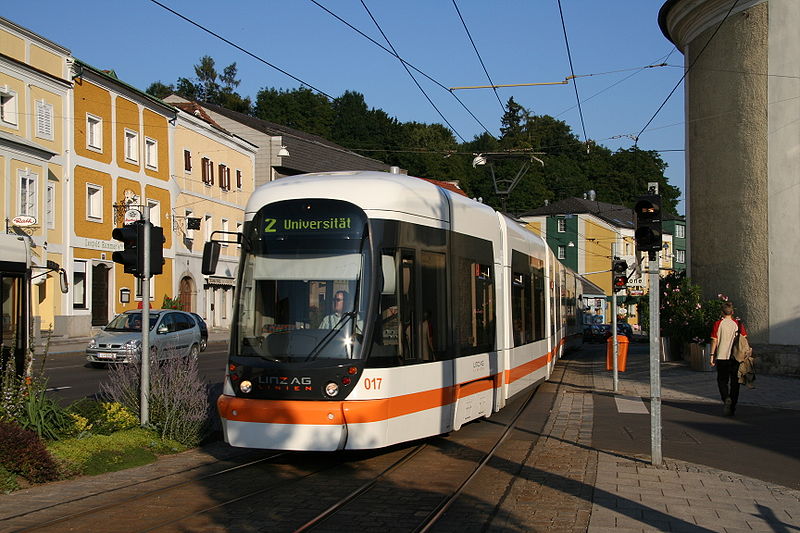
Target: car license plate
x,y
101,355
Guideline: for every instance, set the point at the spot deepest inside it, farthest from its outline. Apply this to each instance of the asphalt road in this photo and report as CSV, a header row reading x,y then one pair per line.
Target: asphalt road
x,y
70,377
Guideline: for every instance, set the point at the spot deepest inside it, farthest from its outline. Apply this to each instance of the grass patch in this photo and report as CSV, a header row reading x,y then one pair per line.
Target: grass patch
x,y
96,454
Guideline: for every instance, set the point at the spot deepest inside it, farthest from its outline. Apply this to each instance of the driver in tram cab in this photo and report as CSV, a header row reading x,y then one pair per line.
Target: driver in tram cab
x,y
340,299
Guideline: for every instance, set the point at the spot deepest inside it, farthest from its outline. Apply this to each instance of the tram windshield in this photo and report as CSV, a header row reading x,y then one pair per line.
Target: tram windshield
x,y
304,282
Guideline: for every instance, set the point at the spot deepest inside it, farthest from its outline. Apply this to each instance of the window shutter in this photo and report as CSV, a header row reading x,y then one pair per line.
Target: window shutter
x,y
187,160
204,169
44,119
221,176
238,179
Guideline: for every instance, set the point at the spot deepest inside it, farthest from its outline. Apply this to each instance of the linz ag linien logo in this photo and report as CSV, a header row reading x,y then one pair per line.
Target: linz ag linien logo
x,y
272,225
290,384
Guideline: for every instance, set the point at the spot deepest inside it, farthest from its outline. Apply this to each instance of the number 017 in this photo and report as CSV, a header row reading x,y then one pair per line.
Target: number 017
x,y
373,383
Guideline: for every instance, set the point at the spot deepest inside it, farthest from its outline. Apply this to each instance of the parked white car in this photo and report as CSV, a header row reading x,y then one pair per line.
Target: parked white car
x,y
172,334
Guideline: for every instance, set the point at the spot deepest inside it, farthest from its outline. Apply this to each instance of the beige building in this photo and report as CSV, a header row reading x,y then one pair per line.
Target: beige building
x,y
35,135
743,155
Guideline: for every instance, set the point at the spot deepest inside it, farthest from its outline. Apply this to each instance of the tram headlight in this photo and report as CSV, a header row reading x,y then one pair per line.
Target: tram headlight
x,y
331,389
245,386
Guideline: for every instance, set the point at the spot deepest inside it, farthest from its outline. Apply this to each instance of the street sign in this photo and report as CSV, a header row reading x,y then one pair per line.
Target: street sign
x,y
131,216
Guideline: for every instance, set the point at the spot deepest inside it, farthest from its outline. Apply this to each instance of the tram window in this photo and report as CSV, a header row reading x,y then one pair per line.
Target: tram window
x,y
473,307
538,303
433,285
521,309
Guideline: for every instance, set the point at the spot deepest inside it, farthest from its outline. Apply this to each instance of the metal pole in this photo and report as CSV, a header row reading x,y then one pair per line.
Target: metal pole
x,y
144,397
614,319
655,363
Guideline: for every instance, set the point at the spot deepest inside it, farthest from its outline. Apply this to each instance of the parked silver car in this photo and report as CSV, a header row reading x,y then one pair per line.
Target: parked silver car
x,y
172,334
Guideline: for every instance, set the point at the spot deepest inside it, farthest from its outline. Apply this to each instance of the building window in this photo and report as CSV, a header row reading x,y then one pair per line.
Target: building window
x,y
139,288
155,211
208,171
94,202
224,177
151,153
51,206
562,225
225,227
562,252
27,193
187,160
78,288
239,230
8,106
131,146
208,228
680,256
94,132
680,231
44,120
238,179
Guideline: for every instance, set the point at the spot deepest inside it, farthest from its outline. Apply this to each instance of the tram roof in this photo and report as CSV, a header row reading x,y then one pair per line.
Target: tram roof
x,y
370,190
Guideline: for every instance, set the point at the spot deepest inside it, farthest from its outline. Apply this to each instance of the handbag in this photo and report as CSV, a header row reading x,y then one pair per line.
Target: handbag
x,y
741,349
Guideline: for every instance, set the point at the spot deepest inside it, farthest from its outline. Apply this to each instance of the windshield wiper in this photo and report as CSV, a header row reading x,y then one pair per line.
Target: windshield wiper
x,y
314,353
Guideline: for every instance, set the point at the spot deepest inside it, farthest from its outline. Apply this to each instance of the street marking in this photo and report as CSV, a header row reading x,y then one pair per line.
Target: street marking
x,y
56,389
631,405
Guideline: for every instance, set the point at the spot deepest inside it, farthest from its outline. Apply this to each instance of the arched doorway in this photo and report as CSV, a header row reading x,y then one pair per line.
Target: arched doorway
x,y
187,293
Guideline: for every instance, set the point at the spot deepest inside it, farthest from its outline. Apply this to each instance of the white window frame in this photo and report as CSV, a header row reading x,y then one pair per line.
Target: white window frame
x,y
155,211
94,202
94,132
44,120
79,289
9,114
562,252
151,153
225,227
138,289
50,206
561,224
131,146
680,231
680,256
31,180
208,227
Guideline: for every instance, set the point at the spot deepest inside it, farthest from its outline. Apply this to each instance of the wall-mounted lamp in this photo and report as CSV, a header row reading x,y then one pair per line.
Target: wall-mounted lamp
x,y
283,152
571,244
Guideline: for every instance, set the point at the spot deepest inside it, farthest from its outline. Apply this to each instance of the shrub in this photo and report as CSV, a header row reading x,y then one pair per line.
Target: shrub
x,y
171,303
179,406
41,413
95,454
23,452
12,393
8,481
102,418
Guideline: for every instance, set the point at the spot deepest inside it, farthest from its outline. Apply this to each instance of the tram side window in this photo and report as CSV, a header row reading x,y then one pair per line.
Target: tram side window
x,y
538,303
474,307
521,308
433,289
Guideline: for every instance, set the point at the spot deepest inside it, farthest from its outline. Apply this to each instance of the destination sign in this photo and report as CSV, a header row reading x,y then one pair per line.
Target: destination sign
x,y
273,225
310,219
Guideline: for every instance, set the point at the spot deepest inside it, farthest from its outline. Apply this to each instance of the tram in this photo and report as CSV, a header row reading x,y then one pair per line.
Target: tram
x,y
374,308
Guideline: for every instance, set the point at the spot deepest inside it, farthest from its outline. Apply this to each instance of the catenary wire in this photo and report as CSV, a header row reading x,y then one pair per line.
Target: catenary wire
x,y
405,67
686,72
572,71
471,40
379,45
254,56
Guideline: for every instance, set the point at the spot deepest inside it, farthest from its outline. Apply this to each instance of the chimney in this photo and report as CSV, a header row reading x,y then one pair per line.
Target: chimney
x,y
592,195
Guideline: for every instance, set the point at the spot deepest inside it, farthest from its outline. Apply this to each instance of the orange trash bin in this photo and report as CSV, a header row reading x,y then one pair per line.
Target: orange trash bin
x,y
622,353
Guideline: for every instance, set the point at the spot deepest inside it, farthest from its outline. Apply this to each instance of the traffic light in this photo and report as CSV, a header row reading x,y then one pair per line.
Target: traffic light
x,y
619,274
129,256
647,216
156,250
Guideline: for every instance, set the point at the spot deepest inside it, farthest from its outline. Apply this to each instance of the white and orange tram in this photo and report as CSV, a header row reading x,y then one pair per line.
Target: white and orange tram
x,y
375,308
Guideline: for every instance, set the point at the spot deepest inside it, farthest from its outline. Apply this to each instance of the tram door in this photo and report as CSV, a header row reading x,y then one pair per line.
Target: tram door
x,y
407,306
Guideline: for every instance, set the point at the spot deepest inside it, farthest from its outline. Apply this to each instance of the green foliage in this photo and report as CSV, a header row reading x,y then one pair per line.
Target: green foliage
x,y
96,454
23,452
179,406
684,315
171,303
100,418
41,413
13,391
8,481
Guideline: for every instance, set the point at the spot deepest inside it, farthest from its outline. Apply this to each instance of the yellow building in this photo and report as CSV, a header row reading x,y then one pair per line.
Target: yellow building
x,y
35,90
214,173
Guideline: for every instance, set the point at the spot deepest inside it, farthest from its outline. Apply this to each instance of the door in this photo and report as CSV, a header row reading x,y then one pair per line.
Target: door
x,y
186,294
99,295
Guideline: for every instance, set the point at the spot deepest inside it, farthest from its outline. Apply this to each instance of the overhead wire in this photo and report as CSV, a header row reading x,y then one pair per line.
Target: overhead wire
x,y
241,49
471,40
686,72
572,71
394,54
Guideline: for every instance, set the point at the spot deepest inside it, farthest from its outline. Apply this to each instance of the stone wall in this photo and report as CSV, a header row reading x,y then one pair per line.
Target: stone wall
x,y
783,360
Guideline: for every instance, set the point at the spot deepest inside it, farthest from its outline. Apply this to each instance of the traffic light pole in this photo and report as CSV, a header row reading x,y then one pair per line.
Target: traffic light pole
x,y
144,398
655,362
614,321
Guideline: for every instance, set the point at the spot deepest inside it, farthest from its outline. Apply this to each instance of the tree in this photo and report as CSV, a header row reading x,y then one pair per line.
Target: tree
x,y
160,90
300,108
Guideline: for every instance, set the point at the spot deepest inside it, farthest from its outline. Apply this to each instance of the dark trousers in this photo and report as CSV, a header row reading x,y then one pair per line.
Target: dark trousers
x,y
728,379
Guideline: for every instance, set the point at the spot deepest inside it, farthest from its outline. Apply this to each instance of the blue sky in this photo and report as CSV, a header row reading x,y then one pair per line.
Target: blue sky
x,y
520,41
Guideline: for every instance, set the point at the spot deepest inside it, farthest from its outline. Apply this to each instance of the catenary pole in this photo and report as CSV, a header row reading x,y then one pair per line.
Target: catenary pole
x,y
144,398
655,363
